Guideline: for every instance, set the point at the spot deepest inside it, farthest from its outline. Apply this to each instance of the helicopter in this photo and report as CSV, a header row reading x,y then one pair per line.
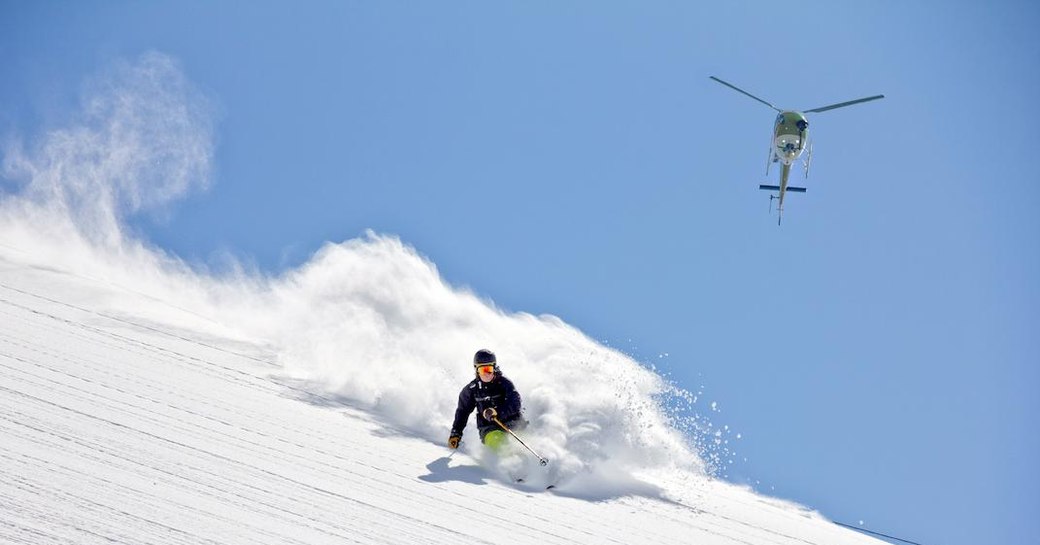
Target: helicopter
x,y
790,139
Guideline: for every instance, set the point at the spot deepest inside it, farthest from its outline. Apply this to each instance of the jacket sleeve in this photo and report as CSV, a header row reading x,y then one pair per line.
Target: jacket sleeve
x,y
510,409
466,406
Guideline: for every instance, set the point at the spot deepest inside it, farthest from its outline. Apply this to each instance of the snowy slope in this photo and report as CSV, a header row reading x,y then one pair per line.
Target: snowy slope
x,y
145,426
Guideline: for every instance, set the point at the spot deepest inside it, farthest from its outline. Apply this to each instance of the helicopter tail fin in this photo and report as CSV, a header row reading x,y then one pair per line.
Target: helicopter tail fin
x,y
777,188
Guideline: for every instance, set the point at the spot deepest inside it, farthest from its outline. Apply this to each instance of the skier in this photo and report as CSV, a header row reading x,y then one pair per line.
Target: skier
x,y
492,395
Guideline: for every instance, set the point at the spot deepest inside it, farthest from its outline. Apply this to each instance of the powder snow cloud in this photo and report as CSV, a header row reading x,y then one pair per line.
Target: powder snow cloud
x,y
369,320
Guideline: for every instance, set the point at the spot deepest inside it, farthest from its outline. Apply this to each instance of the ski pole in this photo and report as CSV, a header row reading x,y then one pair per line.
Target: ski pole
x,y
541,461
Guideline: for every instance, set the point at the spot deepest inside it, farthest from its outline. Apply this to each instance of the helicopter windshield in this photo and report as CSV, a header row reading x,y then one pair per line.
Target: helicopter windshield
x,y
791,123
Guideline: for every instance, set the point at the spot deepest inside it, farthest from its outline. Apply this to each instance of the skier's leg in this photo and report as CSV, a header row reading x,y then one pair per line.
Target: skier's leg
x,y
496,440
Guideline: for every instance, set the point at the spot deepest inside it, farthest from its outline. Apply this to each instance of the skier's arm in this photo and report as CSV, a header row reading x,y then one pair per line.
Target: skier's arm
x,y
511,408
466,406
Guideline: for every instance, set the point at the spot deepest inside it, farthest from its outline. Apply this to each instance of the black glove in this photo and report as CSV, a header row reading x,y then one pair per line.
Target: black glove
x,y
453,441
490,413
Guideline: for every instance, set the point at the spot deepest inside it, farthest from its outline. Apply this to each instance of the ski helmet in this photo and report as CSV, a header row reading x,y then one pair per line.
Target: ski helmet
x,y
484,357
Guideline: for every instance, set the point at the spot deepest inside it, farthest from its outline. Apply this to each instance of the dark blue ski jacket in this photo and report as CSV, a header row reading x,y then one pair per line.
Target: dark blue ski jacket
x,y
499,394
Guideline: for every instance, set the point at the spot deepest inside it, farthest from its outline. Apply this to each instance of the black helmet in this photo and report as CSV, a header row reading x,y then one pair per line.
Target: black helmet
x,y
484,357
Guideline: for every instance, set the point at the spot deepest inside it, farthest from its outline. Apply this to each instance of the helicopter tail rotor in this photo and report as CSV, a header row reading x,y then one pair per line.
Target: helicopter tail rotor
x,y
779,210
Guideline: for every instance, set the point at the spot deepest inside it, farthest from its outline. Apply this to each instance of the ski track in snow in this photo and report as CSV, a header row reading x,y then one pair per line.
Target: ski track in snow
x,y
116,431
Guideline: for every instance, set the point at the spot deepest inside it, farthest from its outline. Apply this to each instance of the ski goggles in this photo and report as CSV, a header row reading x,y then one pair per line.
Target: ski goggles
x,y
485,368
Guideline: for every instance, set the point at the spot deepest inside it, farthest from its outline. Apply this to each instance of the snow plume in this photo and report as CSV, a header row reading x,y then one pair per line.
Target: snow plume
x,y
369,321
144,140
372,321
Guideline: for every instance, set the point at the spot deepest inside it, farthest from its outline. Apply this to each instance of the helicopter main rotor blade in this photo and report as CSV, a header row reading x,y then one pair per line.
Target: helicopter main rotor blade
x,y
843,104
739,90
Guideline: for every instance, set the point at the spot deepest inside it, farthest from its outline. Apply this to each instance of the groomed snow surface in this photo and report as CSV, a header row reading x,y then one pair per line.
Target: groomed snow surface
x,y
150,426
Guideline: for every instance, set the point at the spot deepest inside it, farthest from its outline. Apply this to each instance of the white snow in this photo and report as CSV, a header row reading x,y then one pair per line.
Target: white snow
x,y
122,428
143,400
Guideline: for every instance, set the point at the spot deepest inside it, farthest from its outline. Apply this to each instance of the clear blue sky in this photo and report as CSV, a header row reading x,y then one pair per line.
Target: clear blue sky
x,y
877,352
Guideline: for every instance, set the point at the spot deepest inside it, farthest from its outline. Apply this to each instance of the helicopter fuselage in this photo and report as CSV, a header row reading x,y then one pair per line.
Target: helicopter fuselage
x,y
790,136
